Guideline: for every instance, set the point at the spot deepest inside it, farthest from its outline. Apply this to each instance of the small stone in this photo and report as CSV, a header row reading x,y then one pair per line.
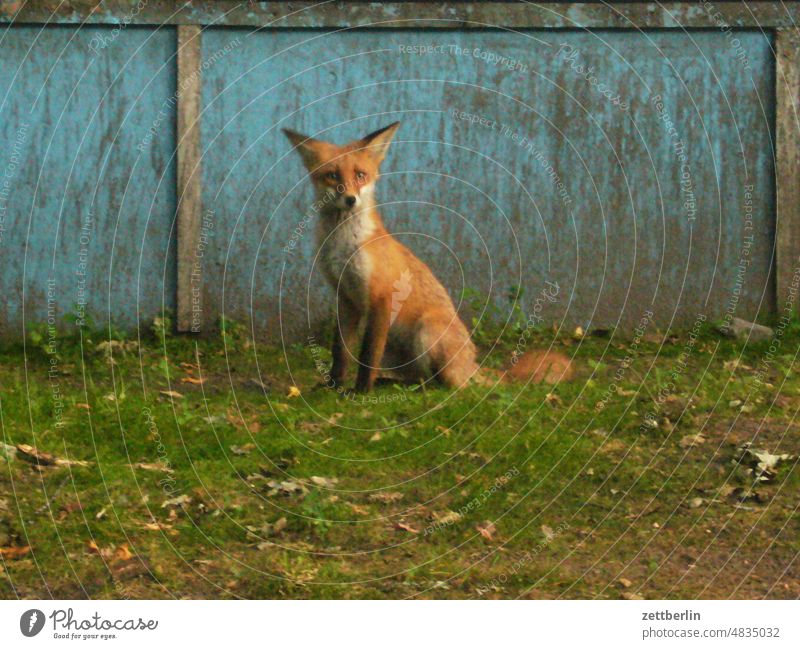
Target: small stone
x,y
745,330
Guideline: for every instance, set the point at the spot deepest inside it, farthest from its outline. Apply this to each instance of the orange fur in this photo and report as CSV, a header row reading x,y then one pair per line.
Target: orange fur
x,y
410,325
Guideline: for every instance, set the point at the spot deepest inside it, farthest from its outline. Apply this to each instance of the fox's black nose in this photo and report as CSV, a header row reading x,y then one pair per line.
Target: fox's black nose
x,y
350,201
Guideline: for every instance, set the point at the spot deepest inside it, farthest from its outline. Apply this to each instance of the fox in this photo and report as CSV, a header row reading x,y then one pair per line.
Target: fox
x,y
385,295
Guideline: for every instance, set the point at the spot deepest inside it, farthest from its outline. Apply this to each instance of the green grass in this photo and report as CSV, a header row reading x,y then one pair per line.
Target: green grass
x,y
582,499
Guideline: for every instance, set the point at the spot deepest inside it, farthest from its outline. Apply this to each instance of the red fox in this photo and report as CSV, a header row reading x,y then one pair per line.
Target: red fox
x,y
410,326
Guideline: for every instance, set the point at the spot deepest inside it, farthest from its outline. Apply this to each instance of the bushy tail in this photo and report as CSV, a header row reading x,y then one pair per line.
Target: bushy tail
x,y
535,367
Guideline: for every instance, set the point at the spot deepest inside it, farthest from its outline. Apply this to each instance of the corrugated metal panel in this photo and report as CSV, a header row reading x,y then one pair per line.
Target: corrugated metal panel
x,y
479,203
89,99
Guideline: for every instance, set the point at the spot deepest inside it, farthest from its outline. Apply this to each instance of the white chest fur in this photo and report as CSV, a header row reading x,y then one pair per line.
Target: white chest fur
x,y
342,257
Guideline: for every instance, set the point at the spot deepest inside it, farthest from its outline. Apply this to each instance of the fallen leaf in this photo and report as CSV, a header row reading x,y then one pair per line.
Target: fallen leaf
x,y
386,497
271,529
487,530
578,333
448,517
286,488
156,527
760,463
155,466
123,553
178,501
192,380
83,406
101,514
328,483
552,398
375,438
691,440
358,509
405,527
42,458
14,552
625,583
242,450
636,596
93,548
171,394
443,430
294,391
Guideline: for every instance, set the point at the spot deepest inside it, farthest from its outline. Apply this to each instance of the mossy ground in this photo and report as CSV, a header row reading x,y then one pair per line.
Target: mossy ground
x,y
560,498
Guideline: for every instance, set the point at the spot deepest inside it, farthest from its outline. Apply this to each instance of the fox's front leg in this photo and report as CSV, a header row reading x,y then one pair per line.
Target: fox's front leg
x,y
344,338
374,344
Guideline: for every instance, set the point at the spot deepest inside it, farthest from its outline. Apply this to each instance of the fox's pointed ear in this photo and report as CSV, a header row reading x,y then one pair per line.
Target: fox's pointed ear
x,y
308,148
377,143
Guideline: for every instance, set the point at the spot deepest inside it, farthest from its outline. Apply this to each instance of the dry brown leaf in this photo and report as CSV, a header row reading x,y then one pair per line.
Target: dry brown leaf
x,y
156,527
328,483
358,509
154,466
192,380
294,392
447,518
691,440
246,449
123,553
552,398
386,497
42,458
171,394
93,548
14,552
405,527
487,530
83,406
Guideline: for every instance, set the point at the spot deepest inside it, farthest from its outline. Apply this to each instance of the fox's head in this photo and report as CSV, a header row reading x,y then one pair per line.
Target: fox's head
x,y
344,176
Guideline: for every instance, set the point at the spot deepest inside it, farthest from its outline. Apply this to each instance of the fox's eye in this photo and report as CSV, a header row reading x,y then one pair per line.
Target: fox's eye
x,y
332,175
361,177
